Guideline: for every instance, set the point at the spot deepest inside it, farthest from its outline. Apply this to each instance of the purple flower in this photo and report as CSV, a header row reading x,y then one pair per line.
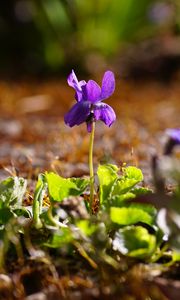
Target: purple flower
x,y
174,135
89,106
174,139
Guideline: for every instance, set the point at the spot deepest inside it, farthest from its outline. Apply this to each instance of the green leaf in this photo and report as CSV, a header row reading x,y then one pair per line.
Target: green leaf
x,y
133,214
86,227
107,175
81,184
131,176
5,215
118,200
12,191
59,238
176,256
135,241
133,173
60,188
140,191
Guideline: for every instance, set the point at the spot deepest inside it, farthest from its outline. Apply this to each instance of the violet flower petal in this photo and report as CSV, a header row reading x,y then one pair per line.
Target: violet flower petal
x,y
108,85
91,91
77,85
79,96
73,81
78,113
105,113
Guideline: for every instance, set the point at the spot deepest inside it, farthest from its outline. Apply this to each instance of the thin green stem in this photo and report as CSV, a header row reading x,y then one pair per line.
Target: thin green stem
x,y
38,201
36,219
53,219
91,170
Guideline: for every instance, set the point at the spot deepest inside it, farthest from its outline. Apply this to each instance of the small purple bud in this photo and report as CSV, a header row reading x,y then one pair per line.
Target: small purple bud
x,y
174,139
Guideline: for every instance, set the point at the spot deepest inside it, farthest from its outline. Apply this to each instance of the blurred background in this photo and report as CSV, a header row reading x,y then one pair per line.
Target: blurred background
x,y
42,40
49,37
